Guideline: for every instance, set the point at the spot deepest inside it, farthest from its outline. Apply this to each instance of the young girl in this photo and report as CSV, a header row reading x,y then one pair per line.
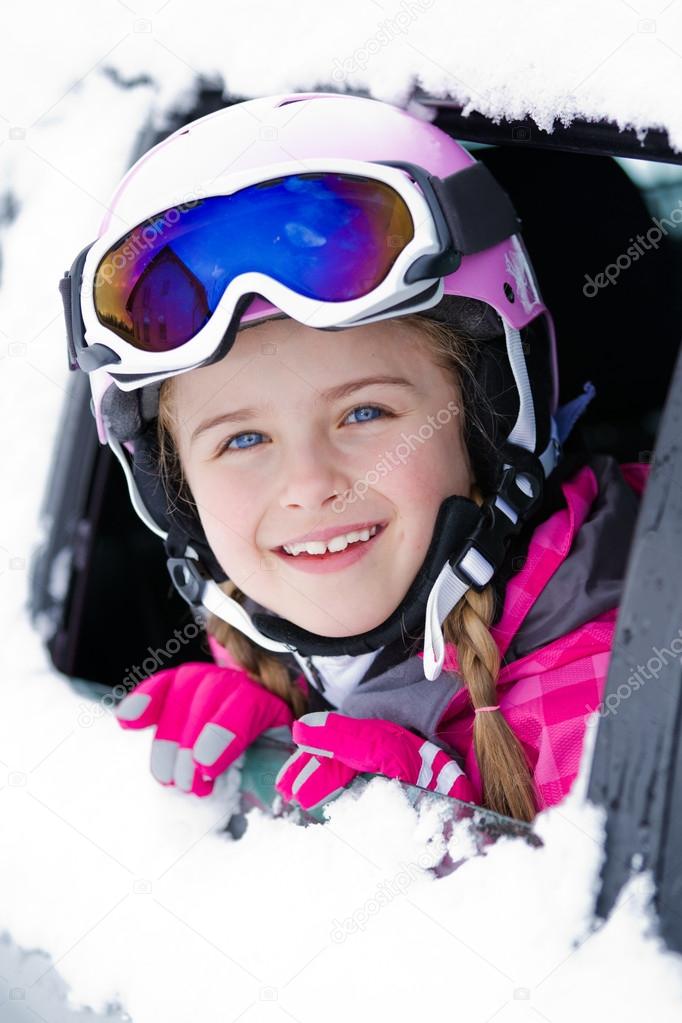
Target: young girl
x,y
322,360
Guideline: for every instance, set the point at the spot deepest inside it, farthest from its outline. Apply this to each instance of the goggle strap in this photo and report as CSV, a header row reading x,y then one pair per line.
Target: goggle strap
x,y
80,355
479,213
65,292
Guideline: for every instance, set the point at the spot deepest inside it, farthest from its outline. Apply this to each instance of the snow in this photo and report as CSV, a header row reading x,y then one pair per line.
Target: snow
x,y
134,890
591,58
142,901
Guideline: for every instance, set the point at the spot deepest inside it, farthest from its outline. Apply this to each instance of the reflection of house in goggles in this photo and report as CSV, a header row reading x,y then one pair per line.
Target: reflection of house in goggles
x,y
166,291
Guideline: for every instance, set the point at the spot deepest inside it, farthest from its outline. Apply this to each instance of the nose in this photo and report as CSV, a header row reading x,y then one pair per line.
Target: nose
x,y
312,476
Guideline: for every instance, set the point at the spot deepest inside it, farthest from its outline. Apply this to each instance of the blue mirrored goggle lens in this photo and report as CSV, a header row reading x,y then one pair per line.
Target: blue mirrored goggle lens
x,y
329,237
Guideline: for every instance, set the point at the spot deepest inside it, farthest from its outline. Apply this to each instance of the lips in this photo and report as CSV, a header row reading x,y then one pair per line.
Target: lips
x,y
335,561
329,532
334,554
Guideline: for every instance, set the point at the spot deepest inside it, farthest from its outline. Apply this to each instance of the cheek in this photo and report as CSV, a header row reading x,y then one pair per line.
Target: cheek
x,y
426,467
226,511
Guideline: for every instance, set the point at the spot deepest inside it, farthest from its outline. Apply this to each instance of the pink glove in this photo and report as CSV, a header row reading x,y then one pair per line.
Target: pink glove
x,y
335,747
206,716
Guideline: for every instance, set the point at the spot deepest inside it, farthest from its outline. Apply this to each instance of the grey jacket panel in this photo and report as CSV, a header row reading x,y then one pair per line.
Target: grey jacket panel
x,y
403,694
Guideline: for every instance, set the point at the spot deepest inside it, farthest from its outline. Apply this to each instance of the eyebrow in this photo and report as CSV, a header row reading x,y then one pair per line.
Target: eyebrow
x,y
331,394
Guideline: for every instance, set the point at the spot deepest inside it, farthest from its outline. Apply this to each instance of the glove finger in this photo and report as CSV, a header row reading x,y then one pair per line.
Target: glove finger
x,y
439,772
211,692
179,699
464,790
168,737
144,705
311,781
246,713
162,760
209,696
289,771
188,777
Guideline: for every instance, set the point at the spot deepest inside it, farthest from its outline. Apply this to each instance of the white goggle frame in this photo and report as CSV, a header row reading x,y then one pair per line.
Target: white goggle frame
x,y
377,305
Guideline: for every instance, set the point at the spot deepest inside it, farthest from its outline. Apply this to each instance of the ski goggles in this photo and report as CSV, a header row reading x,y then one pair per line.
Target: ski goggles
x,y
341,243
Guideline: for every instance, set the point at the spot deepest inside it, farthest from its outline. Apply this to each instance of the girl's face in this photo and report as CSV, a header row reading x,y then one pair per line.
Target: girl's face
x,y
287,436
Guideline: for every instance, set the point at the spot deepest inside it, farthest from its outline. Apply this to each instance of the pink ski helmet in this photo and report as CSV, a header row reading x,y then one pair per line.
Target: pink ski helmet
x,y
488,291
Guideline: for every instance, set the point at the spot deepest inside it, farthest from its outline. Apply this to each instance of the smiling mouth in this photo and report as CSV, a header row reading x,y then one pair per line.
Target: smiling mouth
x,y
328,555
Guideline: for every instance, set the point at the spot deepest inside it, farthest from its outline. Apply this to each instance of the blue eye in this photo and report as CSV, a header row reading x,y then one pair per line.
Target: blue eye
x,y
237,437
363,408
227,446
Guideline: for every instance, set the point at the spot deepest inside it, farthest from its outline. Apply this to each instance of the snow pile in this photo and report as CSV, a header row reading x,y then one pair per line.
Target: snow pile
x,y
135,891
605,59
143,900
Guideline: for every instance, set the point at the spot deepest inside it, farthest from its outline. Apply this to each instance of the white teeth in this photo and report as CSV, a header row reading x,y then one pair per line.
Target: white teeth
x,y
335,544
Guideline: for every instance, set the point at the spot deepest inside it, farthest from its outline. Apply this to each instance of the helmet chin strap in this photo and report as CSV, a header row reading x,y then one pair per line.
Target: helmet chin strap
x,y
479,536
450,587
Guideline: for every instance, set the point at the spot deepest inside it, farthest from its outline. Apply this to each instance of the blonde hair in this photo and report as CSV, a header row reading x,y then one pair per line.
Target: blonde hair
x,y
507,782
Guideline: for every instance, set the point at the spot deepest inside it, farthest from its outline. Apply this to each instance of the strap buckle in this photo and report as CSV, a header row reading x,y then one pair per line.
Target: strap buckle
x,y
187,579
491,537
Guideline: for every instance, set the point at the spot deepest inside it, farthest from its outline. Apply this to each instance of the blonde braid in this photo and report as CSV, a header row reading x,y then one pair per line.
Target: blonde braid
x,y
507,782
